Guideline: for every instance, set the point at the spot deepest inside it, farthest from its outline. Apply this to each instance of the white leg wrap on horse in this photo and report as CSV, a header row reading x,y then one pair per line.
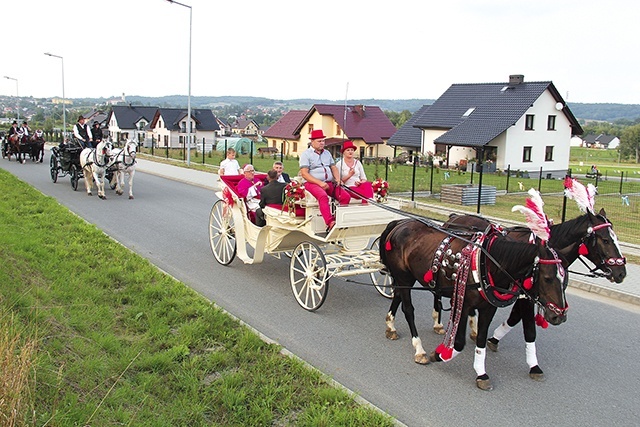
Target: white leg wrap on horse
x,y
532,358
417,344
501,331
478,361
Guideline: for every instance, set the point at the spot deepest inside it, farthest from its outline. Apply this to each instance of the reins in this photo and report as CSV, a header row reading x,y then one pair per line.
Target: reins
x,y
429,222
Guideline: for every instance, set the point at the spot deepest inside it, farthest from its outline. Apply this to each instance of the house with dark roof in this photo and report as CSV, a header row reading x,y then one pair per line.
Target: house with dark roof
x,y
245,127
601,141
366,126
281,134
130,122
169,127
517,124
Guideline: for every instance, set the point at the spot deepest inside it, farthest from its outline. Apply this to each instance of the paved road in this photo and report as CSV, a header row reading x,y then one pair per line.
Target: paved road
x,y
590,361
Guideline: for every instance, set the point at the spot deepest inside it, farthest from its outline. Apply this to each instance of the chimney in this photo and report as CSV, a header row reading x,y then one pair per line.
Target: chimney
x,y
359,109
516,79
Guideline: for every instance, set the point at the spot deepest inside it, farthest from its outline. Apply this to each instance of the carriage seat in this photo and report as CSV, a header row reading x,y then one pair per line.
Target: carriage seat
x,y
231,182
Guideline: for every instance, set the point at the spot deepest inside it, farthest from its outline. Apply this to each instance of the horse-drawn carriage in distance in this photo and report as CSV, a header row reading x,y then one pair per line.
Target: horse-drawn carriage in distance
x,y
348,249
21,145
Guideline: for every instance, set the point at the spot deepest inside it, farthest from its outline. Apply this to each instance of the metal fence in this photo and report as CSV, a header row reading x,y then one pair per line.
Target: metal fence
x,y
618,191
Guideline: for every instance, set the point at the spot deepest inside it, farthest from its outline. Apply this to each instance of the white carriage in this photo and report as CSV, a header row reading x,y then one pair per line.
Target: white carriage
x,y
350,248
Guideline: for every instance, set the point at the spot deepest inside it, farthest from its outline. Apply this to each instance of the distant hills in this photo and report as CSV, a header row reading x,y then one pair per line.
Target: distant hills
x,y
606,112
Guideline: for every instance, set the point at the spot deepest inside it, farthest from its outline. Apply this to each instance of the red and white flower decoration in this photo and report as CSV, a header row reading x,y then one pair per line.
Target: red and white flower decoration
x,y
293,192
380,190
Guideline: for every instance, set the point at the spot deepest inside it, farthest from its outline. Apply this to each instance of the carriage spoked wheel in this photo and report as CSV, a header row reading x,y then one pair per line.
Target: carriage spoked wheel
x,y
222,237
309,276
53,166
75,176
382,282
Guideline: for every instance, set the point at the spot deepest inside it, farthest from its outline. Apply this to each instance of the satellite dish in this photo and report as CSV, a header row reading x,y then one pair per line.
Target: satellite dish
x,y
559,106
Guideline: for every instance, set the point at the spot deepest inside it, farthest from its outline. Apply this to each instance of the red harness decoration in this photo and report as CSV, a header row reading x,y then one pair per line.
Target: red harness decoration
x,y
445,349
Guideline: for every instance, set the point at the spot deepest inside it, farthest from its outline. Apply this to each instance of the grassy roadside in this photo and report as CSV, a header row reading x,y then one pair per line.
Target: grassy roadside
x,y
92,334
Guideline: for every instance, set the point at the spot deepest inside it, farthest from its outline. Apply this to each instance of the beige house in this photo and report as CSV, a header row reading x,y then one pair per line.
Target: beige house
x,y
366,126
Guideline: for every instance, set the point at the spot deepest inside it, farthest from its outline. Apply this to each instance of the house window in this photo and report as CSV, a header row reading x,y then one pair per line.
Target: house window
x,y
183,127
528,124
338,130
551,123
548,153
310,127
166,140
526,154
295,147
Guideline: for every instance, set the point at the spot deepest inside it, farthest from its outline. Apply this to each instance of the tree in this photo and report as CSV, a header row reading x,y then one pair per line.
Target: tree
x,y
630,142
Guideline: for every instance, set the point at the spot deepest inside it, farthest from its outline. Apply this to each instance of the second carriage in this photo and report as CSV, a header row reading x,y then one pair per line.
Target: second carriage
x,y
350,248
65,160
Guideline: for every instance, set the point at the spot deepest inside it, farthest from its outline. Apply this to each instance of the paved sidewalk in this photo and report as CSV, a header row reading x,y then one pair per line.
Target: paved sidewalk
x,y
628,291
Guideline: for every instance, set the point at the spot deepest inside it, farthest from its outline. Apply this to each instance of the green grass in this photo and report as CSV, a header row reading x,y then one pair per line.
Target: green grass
x,y
121,343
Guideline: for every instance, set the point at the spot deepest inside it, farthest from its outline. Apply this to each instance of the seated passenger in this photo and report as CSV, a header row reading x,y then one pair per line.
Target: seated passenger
x,y
352,173
249,189
320,173
270,194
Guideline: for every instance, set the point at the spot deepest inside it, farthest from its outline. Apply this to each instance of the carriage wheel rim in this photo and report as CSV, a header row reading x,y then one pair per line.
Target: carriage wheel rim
x,y
221,237
309,276
382,282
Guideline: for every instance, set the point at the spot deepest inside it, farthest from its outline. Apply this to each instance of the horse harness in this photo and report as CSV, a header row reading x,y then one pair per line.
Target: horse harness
x,y
583,248
474,259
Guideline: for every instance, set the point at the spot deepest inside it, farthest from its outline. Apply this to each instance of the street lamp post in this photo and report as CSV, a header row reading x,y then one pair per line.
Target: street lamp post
x,y
64,103
189,96
17,97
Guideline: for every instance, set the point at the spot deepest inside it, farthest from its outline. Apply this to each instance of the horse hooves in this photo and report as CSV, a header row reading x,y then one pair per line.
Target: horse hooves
x,y
536,374
391,335
434,357
130,197
89,194
484,383
492,343
103,197
438,330
421,359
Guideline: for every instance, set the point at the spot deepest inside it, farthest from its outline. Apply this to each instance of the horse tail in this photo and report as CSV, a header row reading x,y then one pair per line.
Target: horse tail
x,y
383,240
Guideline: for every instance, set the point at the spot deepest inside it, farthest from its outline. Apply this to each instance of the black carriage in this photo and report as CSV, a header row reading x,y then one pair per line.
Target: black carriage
x,y
65,160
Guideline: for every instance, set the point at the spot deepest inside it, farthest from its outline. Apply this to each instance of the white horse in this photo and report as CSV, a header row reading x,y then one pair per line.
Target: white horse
x,y
93,162
124,162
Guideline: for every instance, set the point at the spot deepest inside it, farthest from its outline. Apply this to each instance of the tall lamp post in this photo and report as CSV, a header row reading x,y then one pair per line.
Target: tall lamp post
x,y
189,96
17,97
64,103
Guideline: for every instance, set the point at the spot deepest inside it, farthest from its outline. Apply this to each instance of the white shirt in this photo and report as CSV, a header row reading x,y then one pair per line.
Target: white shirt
x,y
230,167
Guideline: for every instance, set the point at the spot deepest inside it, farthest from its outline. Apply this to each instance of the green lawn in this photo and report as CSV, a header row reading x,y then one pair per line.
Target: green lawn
x,y
92,334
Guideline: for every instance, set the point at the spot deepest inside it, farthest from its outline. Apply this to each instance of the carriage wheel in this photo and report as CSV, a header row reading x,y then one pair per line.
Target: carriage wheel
x,y
75,176
308,275
222,237
53,166
382,282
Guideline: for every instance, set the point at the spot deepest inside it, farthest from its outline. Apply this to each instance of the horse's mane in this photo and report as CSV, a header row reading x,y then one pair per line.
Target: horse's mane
x,y
568,232
511,254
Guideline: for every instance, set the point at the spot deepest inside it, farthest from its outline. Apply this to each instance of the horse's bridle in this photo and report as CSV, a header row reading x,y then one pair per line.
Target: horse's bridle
x,y
590,239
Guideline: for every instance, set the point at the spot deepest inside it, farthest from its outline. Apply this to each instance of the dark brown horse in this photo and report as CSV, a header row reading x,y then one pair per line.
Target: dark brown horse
x,y
480,271
589,235
18,146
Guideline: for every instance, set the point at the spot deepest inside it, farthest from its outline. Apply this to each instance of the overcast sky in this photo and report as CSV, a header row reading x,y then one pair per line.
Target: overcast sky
x,y
329,49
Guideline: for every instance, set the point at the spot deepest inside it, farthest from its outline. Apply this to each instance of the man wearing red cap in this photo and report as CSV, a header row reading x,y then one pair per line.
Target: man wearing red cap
x,y
319,170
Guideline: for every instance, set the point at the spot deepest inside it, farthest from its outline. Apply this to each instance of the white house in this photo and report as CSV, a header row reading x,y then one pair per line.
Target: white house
x,y
517,125
169,127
